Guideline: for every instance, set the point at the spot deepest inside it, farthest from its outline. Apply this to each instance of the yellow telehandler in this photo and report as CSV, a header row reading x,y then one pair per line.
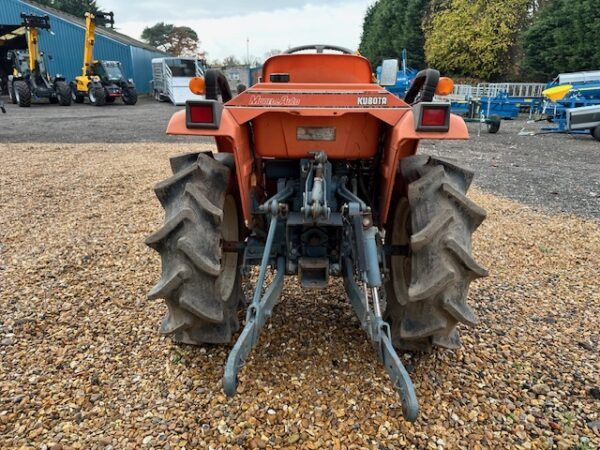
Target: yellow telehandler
x,y
101,82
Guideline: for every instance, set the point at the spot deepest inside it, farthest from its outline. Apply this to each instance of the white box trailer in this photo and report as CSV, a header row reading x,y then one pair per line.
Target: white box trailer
x,y
171,78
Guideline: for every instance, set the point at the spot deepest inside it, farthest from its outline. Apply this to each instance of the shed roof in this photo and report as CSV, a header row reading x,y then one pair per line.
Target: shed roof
x,y
112,34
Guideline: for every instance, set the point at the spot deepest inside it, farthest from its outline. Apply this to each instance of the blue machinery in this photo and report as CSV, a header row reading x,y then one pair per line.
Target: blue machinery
x,y
404,78
505,100
485,103
572,104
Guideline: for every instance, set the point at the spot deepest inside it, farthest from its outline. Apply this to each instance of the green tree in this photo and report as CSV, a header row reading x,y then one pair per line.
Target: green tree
x,y
475,38
158,35
75,7
183,41
562,38
389,26
172,39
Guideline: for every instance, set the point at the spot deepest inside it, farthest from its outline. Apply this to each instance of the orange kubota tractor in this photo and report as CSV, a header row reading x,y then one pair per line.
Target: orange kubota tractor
x,y
317,176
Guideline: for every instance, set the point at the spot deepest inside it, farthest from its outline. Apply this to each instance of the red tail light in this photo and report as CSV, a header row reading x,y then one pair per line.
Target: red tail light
x,y
432,116
203,114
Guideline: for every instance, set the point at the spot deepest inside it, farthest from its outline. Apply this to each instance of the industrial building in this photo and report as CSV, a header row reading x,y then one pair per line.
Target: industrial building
x,y
63,47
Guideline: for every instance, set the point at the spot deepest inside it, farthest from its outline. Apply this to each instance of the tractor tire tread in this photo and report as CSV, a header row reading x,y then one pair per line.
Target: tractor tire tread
x,y
130,96
63,91
189,246
99,95
24,93
442,220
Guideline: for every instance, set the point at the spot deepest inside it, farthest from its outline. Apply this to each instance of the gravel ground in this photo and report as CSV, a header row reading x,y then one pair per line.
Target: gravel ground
x,y
82,364
557,173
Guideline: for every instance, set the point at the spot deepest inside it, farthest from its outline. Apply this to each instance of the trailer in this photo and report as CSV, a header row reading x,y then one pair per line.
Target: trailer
x,y
171,77
572,105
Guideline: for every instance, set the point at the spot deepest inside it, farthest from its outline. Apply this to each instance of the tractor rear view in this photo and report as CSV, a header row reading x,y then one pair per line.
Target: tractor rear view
x,y
316,176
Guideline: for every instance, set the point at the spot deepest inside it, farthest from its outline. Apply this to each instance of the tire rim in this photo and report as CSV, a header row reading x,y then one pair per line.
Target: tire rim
x,y
92,96
229,261
73,95
400,264
17,96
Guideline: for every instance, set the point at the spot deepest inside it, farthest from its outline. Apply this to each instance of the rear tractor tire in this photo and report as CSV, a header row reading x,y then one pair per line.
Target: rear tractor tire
x,y
200,283
22,93
427,289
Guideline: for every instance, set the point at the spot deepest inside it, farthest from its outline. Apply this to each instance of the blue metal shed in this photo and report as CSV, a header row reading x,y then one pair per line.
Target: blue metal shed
x,y
64,46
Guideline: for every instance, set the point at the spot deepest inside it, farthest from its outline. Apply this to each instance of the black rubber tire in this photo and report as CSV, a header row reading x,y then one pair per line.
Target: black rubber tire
x,y
11,93
63,92
427,289
75,95
22,93
201,285
494,124
130,96
97,96
596,133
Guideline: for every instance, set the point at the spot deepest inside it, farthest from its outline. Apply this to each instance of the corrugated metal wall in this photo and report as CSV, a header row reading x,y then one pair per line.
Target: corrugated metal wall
x,y
66,46
142,67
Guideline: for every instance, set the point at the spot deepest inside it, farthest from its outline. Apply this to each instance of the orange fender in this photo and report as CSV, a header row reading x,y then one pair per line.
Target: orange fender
x,y
403,141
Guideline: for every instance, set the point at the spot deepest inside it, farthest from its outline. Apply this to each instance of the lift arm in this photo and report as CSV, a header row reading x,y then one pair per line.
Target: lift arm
x,y
33,24
91,20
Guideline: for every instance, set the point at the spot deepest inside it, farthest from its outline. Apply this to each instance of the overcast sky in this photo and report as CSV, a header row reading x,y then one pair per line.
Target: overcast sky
x,y
224,26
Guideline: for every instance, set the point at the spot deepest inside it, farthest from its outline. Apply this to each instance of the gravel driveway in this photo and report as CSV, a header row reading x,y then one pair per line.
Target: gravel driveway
x,y
82,365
